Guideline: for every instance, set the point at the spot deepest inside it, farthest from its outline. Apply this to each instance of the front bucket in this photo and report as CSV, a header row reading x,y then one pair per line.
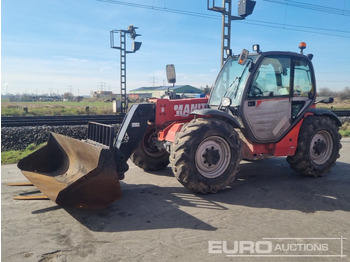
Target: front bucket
x,y
73,173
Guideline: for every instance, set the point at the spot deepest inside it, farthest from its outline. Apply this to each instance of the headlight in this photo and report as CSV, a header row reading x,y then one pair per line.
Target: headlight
x,y
225,101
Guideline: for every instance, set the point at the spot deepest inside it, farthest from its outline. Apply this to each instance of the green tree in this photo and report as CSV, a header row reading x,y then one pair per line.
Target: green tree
x,y
206,89
68,95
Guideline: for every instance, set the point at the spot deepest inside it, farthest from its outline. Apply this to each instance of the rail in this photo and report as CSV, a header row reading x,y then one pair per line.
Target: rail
x,y
341,112
9,121
59,120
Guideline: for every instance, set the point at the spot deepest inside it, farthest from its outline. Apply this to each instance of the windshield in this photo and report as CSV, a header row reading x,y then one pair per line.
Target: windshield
x,y
231,81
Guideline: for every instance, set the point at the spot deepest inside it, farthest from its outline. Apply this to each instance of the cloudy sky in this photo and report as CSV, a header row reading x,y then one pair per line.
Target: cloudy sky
x,y
57,46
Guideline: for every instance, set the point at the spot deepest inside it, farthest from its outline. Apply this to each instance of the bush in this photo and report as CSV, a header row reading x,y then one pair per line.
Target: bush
x,y
345,94
325,91
342,95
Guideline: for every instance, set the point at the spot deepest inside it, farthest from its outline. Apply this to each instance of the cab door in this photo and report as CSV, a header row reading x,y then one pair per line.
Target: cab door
x,y
267,107
303,87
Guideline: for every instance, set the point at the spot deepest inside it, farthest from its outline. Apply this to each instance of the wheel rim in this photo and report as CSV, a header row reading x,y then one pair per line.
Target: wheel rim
x,y
149,146
321,147
213,157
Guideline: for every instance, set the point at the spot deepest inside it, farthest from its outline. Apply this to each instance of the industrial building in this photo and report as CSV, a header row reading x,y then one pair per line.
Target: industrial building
x,y
159,91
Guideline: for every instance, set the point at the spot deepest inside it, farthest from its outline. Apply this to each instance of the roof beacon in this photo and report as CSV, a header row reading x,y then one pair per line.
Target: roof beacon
x,y
302,46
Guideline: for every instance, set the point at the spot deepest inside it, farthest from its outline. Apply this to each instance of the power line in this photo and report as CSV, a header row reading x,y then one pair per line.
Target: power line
x,y
314,7
163,9
302,26
290,27
299,28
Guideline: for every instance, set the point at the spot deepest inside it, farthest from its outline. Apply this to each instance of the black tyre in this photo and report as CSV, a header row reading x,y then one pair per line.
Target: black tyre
x,y
147,155
318,147
205,155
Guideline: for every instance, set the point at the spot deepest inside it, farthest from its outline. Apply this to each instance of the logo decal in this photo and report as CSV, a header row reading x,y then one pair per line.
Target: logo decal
x,y
186,109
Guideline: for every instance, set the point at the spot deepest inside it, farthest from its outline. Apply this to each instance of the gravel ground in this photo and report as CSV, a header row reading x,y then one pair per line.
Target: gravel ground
x,y
17,138
344,119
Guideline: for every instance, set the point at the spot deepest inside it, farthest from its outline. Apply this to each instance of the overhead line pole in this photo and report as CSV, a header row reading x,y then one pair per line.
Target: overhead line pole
x,y
245,8
122,47
123,71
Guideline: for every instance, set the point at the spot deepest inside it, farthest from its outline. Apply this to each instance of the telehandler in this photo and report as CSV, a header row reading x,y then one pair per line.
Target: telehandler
x,y
262,105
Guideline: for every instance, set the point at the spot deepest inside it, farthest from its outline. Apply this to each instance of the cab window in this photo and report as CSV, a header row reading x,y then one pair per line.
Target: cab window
x,y
302,79
272,78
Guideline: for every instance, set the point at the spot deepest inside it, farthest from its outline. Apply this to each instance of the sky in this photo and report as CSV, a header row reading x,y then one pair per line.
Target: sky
x,y
58,46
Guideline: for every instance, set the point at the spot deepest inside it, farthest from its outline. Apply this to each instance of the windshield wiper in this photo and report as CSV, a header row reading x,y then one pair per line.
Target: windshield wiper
x,y
236,82
233,85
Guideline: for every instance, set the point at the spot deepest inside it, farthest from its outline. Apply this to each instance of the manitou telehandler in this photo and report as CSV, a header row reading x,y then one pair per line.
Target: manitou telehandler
x,y
262,105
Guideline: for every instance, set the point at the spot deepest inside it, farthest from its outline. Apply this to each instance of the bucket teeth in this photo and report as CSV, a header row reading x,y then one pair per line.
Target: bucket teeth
x,y
20,184
31,197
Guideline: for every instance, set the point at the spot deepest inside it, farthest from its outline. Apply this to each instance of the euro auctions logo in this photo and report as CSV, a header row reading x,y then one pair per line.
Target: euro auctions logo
x,y
240,247
280,247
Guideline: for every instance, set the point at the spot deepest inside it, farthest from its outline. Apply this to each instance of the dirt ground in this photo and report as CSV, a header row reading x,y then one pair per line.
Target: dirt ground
x,y
159,220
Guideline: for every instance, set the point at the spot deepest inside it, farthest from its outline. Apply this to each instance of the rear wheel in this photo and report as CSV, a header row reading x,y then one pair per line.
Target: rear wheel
x,y
147,155
318,147
205,155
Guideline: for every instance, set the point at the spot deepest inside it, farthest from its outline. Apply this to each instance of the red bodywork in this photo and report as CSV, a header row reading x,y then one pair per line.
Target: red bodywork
x,y
171,115
285,147
168,111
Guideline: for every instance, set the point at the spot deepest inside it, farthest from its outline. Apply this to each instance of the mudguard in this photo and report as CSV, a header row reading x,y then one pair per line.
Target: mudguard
x,y
219,114
325,112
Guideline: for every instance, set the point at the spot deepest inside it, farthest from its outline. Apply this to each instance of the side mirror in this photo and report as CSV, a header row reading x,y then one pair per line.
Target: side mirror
x,y
325,100
170,74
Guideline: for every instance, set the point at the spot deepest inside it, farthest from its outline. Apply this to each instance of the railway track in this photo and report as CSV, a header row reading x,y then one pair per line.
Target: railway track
x,y
342,112
59,120
81,119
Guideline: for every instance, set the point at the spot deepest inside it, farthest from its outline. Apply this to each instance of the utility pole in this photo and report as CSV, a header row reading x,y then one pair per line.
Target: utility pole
x,y
122,47
245,8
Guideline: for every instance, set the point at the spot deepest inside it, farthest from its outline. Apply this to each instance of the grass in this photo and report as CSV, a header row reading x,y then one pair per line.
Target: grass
x,y
339,105
96,107
336,105
13,156
345,129
55,108
47,109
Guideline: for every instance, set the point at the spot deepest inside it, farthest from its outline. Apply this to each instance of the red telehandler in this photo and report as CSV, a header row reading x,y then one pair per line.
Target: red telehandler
x,y
262,105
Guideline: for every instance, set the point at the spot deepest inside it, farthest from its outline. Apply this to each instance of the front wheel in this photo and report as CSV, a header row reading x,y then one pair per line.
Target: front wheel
x,y
147,155
205,155
318,147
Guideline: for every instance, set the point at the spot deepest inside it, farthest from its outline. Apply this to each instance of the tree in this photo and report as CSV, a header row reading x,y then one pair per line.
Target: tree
x,y
79,98
345,94
68,95
206,90
325,91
